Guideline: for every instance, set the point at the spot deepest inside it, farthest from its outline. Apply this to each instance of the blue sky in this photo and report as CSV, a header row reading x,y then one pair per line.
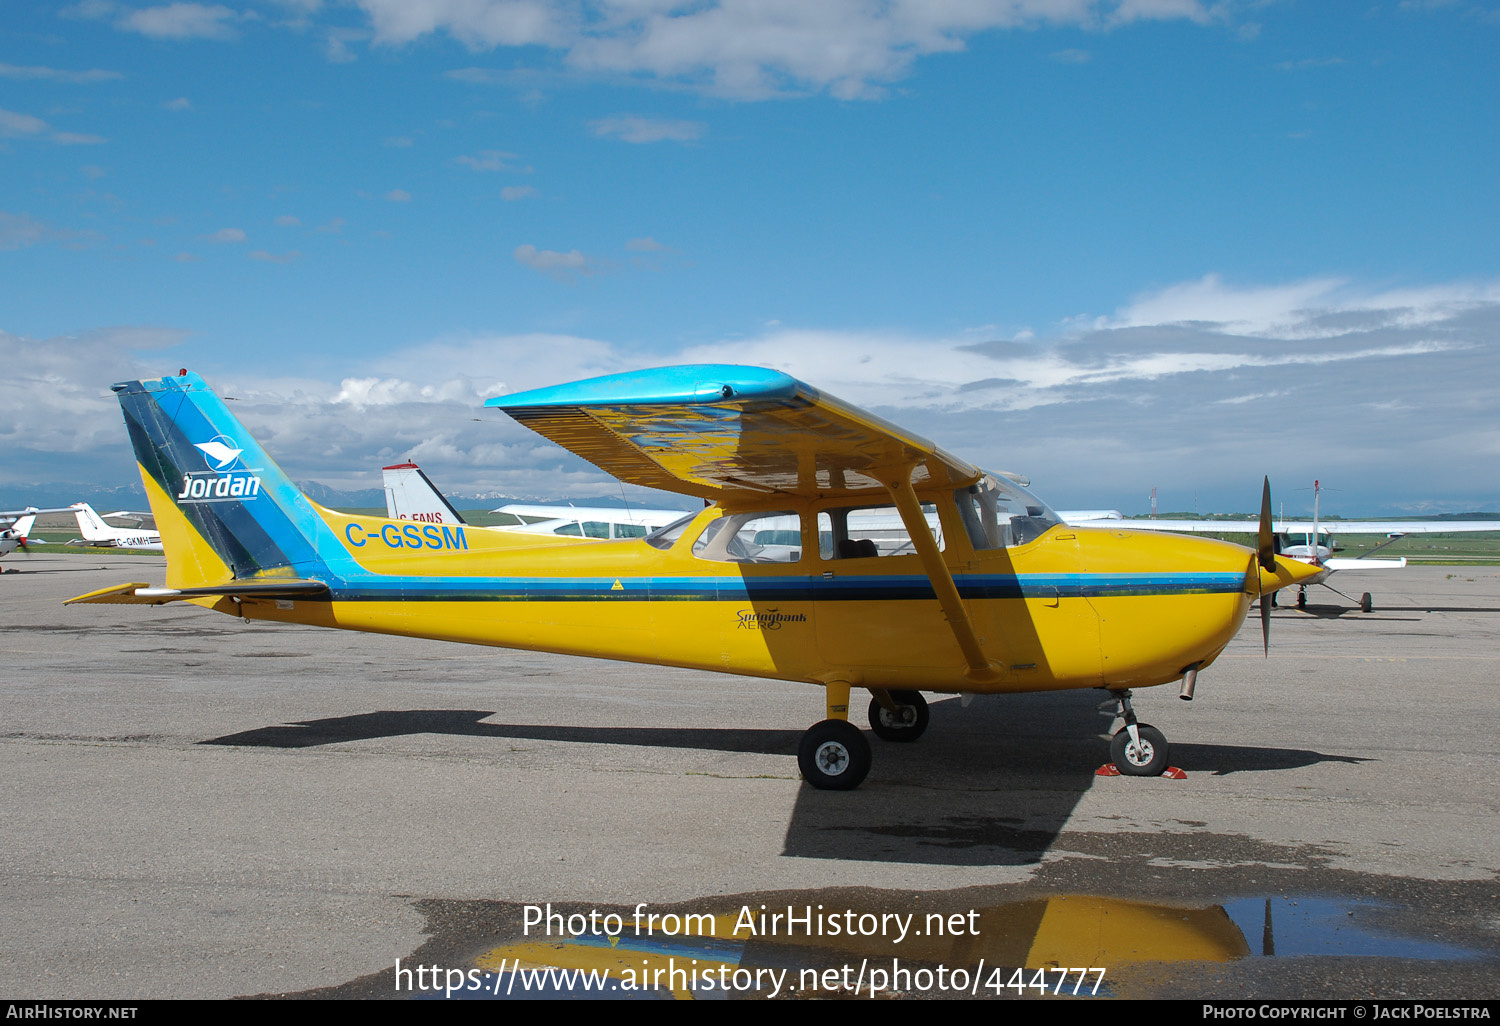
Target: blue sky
x,y
1110,244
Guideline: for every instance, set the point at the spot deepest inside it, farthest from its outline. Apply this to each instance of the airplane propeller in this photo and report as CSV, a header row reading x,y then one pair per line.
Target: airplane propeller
x,y
1265,553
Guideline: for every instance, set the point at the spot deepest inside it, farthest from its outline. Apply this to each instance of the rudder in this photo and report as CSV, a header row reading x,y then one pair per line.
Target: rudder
x,y
220,501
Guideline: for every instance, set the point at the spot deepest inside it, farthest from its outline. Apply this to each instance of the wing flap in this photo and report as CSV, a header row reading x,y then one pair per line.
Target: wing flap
x,y
720,431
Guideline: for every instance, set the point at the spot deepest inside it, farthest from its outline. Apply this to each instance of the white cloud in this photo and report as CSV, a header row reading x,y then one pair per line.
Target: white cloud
x,y
646,245
488,160
562,266
398,196
750,49
180,21
476,23
288,221
1392,393
511,193
58,74
225,236
648,130
1159,10
181,103
18,231
1287,311
57,416
15,125
77,139
275,258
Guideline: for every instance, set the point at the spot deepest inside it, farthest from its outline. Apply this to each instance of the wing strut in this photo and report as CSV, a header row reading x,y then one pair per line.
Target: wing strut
x,y
981,669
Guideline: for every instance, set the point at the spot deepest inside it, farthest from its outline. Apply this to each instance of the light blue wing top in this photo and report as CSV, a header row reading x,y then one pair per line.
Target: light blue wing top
x,y
721,431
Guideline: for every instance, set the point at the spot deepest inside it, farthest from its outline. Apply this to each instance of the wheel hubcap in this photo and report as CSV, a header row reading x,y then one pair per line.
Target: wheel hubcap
x,y
832,758
1140,754
904,718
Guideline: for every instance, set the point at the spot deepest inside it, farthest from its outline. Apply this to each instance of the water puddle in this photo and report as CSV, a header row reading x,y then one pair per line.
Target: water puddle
x,y
1289,927
1073,946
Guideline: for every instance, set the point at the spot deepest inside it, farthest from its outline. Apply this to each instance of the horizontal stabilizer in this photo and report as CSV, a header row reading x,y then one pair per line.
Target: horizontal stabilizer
x,y
143,594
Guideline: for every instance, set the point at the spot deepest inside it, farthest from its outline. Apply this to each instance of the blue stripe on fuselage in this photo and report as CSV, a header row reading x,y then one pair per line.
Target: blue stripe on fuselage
x,y
790,588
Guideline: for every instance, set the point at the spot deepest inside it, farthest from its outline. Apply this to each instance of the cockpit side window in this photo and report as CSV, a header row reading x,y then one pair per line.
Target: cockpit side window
x,y
666,537
997,514
752,538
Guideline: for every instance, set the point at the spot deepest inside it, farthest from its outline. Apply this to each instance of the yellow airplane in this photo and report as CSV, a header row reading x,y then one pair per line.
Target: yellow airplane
x,y
816,560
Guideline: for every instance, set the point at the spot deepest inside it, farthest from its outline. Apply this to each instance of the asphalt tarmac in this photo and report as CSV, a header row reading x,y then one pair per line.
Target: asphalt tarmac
x,y
195,807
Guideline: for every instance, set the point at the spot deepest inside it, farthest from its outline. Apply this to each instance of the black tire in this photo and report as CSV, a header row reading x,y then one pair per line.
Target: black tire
x,y
1302,599
1366,603
1150,760
908,725
834,756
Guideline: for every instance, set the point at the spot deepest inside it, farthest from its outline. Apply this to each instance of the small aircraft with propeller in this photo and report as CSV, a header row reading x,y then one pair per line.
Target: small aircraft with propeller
x,y
815,559
18,526
15,535
1311,541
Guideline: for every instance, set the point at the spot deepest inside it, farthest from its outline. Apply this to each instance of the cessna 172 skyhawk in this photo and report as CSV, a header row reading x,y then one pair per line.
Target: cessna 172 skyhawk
x,y
772,580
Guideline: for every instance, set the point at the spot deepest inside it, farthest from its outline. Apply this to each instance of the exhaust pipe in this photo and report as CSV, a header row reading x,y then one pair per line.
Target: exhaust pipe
x,y
1189,678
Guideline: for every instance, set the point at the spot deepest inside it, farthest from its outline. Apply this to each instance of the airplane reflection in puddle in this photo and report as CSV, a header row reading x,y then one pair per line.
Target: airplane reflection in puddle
x,y
1060,945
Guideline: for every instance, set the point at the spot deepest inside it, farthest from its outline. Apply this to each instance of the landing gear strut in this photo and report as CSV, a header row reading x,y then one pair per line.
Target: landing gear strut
x,y
1138,749
833,754
902,717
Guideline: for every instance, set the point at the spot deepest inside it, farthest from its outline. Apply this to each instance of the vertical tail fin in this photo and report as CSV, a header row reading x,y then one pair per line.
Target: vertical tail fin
x,y
91,527
223,507
411,495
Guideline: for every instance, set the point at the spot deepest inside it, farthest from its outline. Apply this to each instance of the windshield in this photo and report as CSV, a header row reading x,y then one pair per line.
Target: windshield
x,y
999,513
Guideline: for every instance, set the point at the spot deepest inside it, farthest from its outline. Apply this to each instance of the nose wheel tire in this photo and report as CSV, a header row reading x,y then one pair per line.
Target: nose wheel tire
x,y
907,723
834,756
1148,758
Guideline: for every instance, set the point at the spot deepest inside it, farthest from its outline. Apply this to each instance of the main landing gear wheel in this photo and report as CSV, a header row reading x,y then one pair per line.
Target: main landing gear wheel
x,y
907,723
834,756
1146,759
1366,603
1302,598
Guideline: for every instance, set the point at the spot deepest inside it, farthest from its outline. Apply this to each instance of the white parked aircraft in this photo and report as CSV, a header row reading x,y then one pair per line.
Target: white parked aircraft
x,y
96,532
18,525
13,537
1310,541
411,495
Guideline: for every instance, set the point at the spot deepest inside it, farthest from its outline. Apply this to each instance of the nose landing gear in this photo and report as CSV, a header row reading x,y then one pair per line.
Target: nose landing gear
x,y
1138,749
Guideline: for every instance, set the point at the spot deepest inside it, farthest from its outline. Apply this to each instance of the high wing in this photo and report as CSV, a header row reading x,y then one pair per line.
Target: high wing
x,y
723,432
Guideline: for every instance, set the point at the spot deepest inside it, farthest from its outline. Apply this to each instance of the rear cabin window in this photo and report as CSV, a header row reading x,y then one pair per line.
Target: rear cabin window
x,y
863,532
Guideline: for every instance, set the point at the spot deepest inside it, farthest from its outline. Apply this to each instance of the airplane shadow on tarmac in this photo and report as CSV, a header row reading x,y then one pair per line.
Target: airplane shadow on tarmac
x,y
993,784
